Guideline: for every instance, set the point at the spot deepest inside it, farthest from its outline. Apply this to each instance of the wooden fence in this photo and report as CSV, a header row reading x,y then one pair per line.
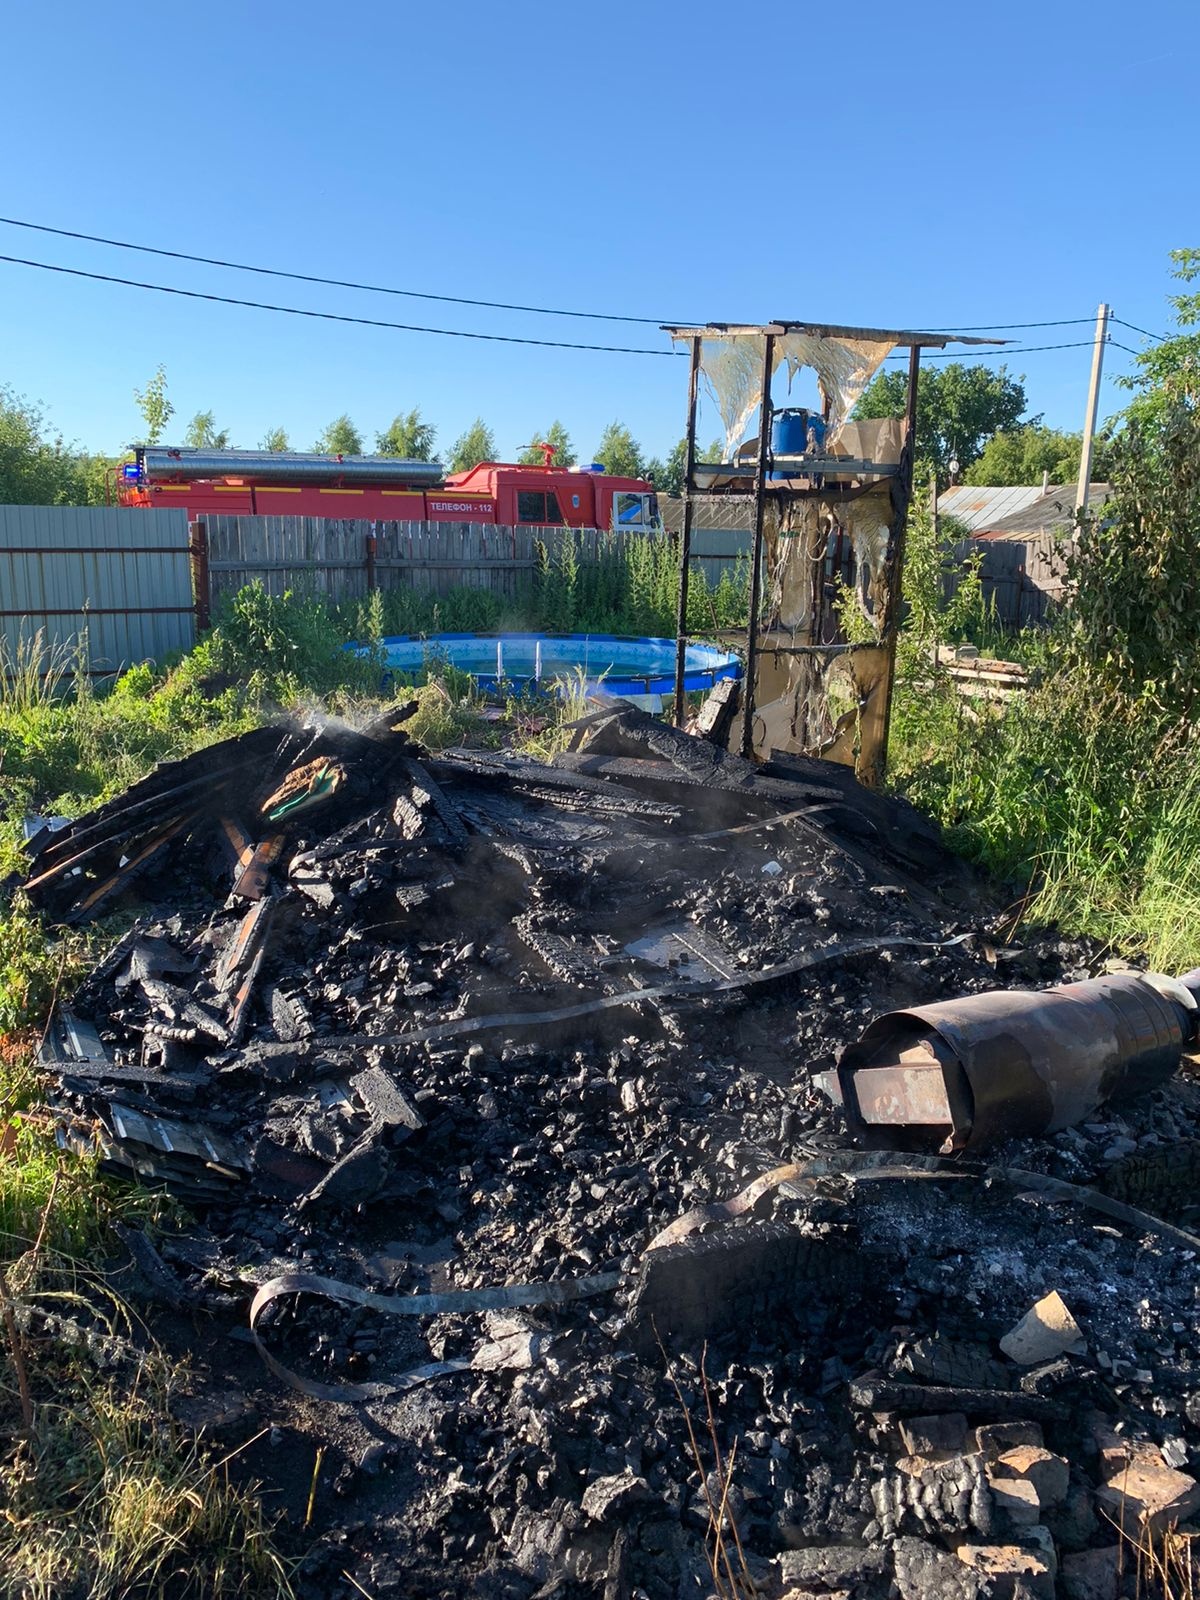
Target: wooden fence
x,y
345,560
1023,577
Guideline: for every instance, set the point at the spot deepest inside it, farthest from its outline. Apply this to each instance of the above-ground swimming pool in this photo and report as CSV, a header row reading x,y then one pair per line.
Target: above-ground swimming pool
x,y
611,665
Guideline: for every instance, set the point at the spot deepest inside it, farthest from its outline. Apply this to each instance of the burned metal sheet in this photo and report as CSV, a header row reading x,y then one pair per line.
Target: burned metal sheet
x,y
962,1074
684,949
187,1157
72,1041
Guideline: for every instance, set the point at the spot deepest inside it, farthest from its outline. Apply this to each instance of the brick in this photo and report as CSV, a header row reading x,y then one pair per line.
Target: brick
x,y
1009,1570
1074,1523
944,1435
1049,1474
1092,1574
1146,1493
924,1570
994,1438
736,1276
1016,1498
1046,1331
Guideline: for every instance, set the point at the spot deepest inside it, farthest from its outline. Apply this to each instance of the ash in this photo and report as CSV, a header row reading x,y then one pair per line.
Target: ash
x,y
431,1026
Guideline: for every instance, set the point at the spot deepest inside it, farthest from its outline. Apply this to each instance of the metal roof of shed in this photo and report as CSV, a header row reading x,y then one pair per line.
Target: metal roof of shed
x,y
977,507
1053,512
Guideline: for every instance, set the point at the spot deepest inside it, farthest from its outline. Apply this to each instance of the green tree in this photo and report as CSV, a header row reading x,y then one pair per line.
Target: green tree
x,y
408,437
619,452
477,444
564,450
1133,606
667,476
275,440
202,433
1169,372
152,402
959,408
36,468
1016,456
340,438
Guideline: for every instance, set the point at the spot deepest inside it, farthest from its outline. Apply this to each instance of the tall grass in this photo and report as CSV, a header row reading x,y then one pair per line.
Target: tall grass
x,y
1081,796
1087,807
630,586
1138,889
101,1495
108,1498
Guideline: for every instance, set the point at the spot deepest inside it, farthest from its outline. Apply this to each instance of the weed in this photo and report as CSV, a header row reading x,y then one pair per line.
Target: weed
x,y
731,1576
543,734
1166,1565
101,1494
108,1499
446,715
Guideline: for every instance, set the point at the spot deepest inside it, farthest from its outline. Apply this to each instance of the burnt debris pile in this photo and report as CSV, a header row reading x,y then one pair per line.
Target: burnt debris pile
x,y
502,1100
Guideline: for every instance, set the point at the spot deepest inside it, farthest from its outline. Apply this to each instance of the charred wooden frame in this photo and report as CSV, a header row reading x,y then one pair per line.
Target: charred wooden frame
x,y
875,672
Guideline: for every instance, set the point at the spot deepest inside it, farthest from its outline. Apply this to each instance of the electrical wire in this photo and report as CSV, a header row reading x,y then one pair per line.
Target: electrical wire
x,y
988,355
336,283
459,300
334,316
1002,327
498,305
1159,338
1118,346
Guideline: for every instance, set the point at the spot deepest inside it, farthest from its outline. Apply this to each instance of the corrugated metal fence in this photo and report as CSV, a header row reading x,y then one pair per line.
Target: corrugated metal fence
x,y
722,529
133,585
345,559
116,581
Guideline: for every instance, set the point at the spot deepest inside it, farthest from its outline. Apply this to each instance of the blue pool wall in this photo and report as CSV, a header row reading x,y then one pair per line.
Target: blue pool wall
x,y
704,664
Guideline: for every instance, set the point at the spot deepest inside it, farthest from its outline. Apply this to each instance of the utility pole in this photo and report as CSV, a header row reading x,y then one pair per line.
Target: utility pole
x,y
1093,405
933,504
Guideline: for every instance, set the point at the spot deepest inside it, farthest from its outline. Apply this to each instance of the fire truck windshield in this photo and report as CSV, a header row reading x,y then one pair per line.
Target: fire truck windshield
x,y
634,510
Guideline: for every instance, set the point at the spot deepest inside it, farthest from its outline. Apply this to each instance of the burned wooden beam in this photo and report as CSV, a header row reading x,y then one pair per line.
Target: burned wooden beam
x,y
150,851
874,1392
252,881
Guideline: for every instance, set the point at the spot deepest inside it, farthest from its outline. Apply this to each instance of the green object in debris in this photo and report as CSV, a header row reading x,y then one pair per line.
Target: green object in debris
x,y
319,789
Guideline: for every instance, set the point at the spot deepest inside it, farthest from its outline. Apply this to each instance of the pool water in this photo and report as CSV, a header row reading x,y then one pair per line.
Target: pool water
x,y
610,664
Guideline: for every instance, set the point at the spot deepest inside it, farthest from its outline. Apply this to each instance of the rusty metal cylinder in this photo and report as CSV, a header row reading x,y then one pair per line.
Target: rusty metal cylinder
x,y
967,1073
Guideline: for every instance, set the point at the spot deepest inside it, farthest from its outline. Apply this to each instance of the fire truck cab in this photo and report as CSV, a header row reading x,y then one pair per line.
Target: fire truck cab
x,y
555,497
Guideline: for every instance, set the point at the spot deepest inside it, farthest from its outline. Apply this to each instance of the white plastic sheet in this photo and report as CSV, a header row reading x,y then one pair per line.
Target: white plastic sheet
x,y
732,364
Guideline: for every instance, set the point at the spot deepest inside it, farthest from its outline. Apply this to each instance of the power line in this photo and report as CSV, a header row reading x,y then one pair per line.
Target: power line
x,y
449,299
334,316
1002,327
990,355
1159,338
463,333
335,283
1118,346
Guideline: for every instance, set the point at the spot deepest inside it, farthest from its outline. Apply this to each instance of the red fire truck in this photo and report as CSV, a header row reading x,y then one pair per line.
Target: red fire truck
x,y
382,488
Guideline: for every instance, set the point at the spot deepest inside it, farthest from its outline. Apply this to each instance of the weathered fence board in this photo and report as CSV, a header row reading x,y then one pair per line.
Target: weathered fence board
x,y
1022,578
343,559
113,582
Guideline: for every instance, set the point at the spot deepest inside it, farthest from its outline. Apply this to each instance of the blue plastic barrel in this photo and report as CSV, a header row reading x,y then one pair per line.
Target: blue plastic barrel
x,y
790,430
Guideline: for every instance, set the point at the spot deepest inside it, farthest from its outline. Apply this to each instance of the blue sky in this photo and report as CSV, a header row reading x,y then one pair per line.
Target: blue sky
x,y
970,165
